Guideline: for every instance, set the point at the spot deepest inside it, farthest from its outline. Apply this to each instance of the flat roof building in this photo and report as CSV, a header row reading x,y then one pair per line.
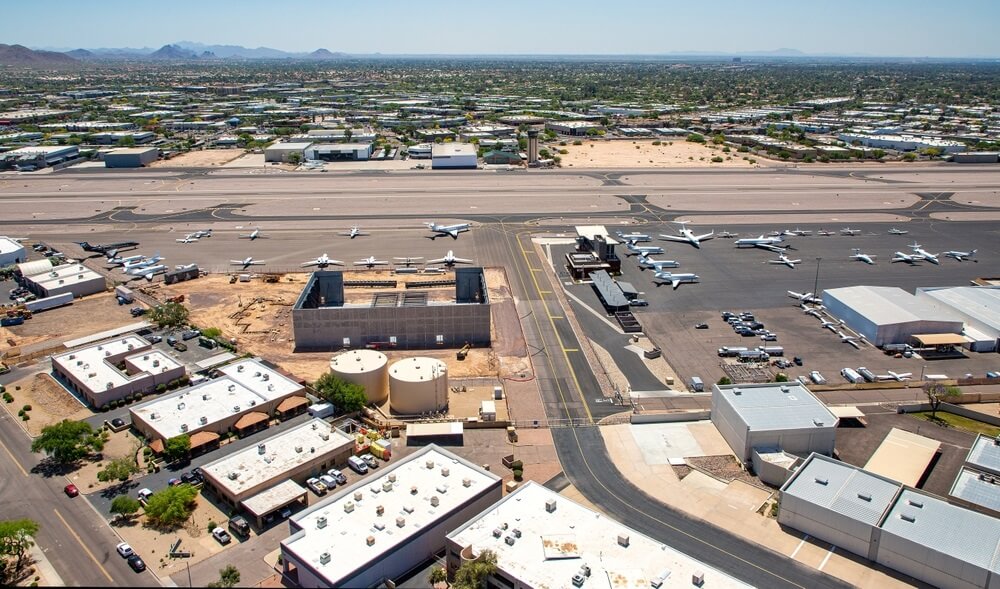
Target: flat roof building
x,y
383,526
11,252
886,314
133,157
282,152
454,156
93,370
72,278
572,127
339,151
977,306
772,415
40,155
542,539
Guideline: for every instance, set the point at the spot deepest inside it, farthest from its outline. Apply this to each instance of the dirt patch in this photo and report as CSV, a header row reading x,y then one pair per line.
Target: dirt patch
x,y
50,403
85,316
118,444
201,159
642,153
724,467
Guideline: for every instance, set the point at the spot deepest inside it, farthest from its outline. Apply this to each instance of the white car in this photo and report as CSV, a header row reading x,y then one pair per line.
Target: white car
x,y
328,481
124,549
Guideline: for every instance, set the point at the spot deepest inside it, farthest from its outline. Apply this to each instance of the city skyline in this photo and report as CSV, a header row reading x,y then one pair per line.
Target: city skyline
x,y
587,27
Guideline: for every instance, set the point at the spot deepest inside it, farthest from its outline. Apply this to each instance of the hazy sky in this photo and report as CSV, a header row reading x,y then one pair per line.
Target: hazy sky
x,y
875,27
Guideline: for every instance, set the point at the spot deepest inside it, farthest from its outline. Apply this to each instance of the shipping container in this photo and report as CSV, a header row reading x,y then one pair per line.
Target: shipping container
x,y
36,305
11,321
124,294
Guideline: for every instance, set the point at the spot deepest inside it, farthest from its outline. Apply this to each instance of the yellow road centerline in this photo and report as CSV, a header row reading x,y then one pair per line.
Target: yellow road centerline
x,y
84,546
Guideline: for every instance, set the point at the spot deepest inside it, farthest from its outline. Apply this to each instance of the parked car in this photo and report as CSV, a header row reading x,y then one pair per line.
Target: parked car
x,y
337,476
190,334
117,422
701,326
240,526
174,482
171,340
316,486
124,549
144,494
137,311
370,460
222,536
180,347
328,481
797,360
190,479
154,339
769,337
136,563
285,513
71,490
357,465
816,377
639,303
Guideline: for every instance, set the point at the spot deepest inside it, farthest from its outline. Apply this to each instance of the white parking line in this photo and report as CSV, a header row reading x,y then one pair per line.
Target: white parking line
x,y
827,557
799,547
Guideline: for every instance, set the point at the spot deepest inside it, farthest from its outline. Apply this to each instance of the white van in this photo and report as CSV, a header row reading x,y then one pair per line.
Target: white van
x,y
357,465
852,375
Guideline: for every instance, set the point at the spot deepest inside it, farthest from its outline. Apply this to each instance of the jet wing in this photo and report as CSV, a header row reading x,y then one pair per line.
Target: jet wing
x,y
361,263
675,282
772,248
673,238
437,261
453,233
312,263
705,237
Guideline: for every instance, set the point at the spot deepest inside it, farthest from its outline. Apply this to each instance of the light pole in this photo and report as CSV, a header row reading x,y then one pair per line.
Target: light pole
x,y
816,282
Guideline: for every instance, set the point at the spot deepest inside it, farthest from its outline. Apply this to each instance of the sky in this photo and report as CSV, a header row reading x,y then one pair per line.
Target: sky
x,y
913,28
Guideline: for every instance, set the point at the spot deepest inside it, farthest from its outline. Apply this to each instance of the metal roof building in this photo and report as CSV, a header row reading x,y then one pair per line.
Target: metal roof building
x,y
11,252
985,454
773,415
977,306
887,315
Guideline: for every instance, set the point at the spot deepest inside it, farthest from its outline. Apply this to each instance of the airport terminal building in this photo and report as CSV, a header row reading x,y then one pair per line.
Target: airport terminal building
x,y
323,321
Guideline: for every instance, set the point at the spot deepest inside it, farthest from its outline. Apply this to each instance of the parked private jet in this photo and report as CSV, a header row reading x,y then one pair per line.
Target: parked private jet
x,y
895,231
450,230
803,297
353,232
247,262
643,250
824,233
142,263
633,237
908,258
961,256
371,262
449,259
673,279
783,259
920,251
255,234
647,262
688,236
148,272
897,376
408,261
768,243
108,249
860,257
124,260
727,234
322,262
849,231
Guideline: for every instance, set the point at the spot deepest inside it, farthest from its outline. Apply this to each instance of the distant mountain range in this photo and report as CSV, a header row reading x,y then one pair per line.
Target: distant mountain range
x,y
188,51
21,56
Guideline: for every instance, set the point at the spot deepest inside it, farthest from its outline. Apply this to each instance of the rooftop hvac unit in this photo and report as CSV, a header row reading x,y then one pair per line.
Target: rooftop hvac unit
x,y
270,387
466,482
154,415
516,532
91,375
131,347
435,501
324,436
821,481
497,532
261,448
256,374
698,578
240,368
865,496
184,427
253,402
325,557
550,505
509,540
348,507
907,517
818,422
408,508
386,486
107,353
370,540
379,526
109,386
413,490
392,477
266,377
236,408
206,397
180,406
203,420
400,522
72,356
442,489
145,356
231,388
623,540
445,472
321,522
737,392
298,449
380,510
784,388
156,363
234,475
429,464
358,495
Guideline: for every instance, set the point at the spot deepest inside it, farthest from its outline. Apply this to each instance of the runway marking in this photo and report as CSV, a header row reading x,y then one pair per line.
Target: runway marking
x,y
556,317
12,459
827,558
535,270
84,546
545,292
799,547
571,350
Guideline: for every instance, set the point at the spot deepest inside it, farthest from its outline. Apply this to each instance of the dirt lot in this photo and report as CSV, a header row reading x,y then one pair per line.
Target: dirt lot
x,y
119,444
89,315
641,153
199,159
50,403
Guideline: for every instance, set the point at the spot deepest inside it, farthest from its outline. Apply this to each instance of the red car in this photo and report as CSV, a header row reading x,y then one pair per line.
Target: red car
x,y
71,490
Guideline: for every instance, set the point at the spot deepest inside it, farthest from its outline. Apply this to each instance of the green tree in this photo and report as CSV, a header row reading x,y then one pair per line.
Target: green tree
x,y
118,469
15,540
169,315
696,138
228,577
295,158
346,396
438,575
724,381
177,447
126,141
125,506
172,506
211,332
68,441
473,573
937,393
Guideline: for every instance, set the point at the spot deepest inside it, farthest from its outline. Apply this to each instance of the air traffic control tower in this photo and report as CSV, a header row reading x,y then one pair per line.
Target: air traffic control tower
x,y
323,320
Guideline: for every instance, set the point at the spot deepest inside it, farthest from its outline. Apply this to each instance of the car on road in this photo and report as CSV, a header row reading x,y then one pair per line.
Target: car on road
x,y
337,476
174,482
71,490
701,326
316,486
190,479
370,461
136,563
222,536
124,549
144,494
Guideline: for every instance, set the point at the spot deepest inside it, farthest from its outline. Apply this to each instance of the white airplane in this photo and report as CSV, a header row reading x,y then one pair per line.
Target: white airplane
x,y
793,232
897,376
866,258
895,231
763,242
849,231
124,260
850,340
674,279
408,261
908,258
961,256
688,236
371,262
255,234
143,263
322,262
182,267
148,272
452,230
450,260
824,233
803,297
920,251
247,262
353,232
643,250
813,312
783,259
831,325
633,237
647,262
203,233
189,238
727,234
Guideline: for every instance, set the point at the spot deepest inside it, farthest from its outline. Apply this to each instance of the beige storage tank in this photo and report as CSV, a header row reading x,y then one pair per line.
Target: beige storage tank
x,y
418,385
368,368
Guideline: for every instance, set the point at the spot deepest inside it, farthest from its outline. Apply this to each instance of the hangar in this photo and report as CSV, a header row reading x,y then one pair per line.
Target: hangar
x,y
977,306
888,315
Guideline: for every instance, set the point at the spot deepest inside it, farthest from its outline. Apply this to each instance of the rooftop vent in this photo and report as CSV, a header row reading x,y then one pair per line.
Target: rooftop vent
x,y
435,501
358,495
445,472
180,406
203,420
325,557
184,427
370,540
821,481
154,415
550,505
321,522
400,522
915,503
261,448
818,422
380,510
348,507
231,388
907,518
413,490
256,374
623,540
206,397
236,408
240,368
865,496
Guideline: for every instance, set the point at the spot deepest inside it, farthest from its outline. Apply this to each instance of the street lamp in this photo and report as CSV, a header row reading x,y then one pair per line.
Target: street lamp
x,y
816,282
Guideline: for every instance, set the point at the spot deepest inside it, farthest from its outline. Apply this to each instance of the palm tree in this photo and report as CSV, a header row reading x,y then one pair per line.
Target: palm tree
x,y
438,575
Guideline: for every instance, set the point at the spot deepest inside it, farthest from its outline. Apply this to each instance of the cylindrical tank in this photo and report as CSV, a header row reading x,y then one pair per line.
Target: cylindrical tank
x,y
418,385
367,368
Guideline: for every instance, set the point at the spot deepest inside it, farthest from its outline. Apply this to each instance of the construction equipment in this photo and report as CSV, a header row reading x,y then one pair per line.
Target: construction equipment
x,y
176,299
463,351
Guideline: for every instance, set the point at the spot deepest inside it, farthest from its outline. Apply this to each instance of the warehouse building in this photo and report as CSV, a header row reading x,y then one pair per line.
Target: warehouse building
x,y
977,306
383,526
11,252
282,152
331,152
132,157
114,369
248,478
572,127
421,151
454,156
978,481
902,142
542,539
887,315
772,415
902,528
39,156
323,321
116,137
72,278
